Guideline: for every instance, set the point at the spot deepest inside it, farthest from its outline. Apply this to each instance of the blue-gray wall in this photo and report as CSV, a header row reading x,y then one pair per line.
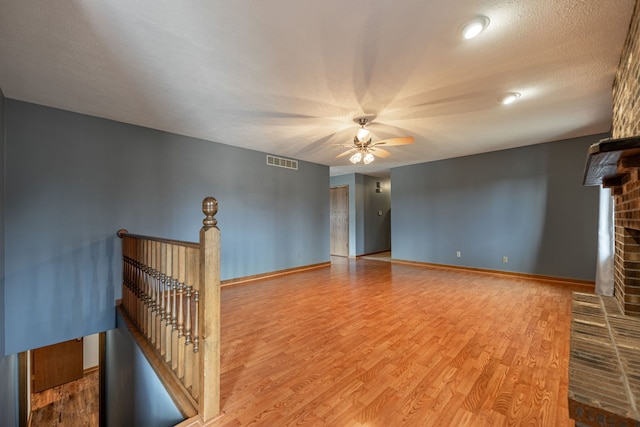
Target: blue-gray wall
x,y
8,364
525,203
72,180
9,390
368,231
135,396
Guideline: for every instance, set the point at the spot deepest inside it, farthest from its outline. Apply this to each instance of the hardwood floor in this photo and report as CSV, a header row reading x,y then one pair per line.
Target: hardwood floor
x,y
370,343
379,256
72,404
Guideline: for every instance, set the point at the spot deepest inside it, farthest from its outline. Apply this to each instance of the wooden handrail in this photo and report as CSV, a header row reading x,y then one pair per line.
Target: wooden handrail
x,y
123,232
171,295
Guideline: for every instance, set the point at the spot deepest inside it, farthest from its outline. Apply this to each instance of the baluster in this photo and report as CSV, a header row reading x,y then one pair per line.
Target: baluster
x,y
163,284
174,302
188,317
158,291
166,331
180,347
125,294
152,285
174,323
149,302
149,287
180,310
157,265
154,290
143,296
196,339
155,319
131,279
158,314
139,294
131,287
126,298
134,290
144,284
131,283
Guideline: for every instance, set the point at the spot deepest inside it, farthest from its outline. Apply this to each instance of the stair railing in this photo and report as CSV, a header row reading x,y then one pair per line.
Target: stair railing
x,y
171,295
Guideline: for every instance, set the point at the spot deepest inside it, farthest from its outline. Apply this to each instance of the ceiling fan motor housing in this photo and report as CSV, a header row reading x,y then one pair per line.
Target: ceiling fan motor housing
x,y
364,119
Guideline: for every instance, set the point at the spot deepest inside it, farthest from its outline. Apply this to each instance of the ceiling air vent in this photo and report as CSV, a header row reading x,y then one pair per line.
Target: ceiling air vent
x,y
282,162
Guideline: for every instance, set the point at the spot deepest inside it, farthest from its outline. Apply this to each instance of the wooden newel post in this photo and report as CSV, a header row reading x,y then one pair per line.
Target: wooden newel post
x,y
209,314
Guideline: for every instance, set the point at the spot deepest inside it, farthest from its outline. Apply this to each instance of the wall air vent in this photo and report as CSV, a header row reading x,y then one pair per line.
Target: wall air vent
x,y
282,162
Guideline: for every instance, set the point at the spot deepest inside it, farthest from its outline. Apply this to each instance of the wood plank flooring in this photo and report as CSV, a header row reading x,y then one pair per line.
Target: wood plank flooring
x,y
72,404
370,343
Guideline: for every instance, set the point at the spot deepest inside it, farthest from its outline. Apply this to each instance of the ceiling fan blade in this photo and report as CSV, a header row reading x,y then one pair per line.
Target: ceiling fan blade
x,y
345,153
402,140
380,152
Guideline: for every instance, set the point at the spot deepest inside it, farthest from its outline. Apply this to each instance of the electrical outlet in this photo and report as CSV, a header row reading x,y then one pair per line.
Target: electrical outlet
x,y
458,254
505,259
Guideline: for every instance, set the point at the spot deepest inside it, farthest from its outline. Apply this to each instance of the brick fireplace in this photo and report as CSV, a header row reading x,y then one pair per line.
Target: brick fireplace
x,y
604,360
627,254
604,365
626,185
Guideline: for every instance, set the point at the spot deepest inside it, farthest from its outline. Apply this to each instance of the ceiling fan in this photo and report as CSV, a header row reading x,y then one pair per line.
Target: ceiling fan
x,y
363,149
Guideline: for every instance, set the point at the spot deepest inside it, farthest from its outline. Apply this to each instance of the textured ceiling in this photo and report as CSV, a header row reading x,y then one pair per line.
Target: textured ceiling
x,y
286,77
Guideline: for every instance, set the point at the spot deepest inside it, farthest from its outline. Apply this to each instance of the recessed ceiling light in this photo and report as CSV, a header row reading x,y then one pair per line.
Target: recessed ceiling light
x,y
474,27
509,98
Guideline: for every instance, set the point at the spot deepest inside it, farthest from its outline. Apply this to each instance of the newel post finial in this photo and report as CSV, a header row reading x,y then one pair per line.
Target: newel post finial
x,y
209,209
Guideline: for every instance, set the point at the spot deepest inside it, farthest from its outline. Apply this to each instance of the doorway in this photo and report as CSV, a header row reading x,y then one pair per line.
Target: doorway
x,y
56,364
62,383
339,220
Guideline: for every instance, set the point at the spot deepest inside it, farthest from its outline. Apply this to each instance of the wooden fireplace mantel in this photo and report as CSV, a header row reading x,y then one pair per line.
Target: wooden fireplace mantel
x,y
610,160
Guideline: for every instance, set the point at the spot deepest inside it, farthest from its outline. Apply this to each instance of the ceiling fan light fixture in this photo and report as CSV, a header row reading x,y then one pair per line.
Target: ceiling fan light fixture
x,y
362,148
474,27
368,158
363,135
509,98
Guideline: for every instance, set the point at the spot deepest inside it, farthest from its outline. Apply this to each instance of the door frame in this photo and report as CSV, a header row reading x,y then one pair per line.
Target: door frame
x,y
348,220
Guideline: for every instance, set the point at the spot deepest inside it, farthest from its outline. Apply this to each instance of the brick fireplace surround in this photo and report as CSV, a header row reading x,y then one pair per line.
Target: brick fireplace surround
x,y
604,365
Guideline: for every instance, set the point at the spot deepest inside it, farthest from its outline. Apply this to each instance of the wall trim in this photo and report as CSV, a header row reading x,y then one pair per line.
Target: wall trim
x,y
24,403
102,379
562,280
242,280
90,370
